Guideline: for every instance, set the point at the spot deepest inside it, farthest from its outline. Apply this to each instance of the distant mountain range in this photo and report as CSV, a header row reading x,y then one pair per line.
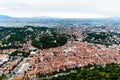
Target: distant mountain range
x,y
9,17
6,17
8,21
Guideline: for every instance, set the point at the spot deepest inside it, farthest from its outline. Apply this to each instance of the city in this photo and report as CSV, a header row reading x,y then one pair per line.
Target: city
x,y
59,40
20,59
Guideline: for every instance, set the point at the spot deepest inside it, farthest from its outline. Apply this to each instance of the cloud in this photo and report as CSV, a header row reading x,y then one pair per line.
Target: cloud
x,y
88,8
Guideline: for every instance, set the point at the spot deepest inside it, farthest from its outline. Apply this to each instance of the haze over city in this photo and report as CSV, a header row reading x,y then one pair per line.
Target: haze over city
x,y
60,8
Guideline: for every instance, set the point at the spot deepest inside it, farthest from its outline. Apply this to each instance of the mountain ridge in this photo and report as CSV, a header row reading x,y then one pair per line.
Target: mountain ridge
x,y
47,17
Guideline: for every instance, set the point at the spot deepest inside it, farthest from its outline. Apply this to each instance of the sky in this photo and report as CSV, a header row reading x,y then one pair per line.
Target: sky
x,y
61,8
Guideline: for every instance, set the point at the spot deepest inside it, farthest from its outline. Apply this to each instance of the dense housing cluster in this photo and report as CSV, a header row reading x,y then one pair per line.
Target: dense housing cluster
x,y
44,53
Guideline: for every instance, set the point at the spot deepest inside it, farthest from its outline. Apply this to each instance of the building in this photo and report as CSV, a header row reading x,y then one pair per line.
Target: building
x,y
3,58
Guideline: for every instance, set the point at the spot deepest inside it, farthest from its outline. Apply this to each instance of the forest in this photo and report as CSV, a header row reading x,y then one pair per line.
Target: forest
x,y
93,72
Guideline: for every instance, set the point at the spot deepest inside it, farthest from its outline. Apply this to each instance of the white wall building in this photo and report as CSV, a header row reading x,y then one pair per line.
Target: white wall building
x,y
3,58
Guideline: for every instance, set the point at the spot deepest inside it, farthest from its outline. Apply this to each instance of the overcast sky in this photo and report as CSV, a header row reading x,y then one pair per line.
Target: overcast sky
x,y
61,8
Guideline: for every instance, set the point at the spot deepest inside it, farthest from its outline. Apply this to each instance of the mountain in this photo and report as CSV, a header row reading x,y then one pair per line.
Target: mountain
x,y
5,17
9,17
